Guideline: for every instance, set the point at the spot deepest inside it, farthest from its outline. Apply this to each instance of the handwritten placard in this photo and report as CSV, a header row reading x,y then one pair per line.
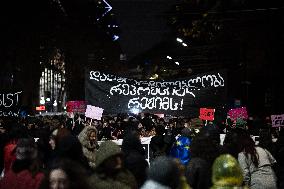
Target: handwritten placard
x,y
94,112
76,106
277,120
207,114
236,113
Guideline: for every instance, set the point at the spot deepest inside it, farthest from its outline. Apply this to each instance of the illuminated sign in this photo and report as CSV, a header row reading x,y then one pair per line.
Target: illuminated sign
x,y
40,108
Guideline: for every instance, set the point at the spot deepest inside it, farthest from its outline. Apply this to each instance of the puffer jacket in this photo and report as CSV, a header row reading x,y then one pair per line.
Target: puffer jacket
x,y
89,149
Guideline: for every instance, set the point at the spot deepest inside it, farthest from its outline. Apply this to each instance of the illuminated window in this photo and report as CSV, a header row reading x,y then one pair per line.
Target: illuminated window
x,y
52,82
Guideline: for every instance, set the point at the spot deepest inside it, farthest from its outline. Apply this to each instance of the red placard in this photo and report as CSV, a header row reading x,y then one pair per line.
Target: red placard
x,y
207,114
40,108
76,106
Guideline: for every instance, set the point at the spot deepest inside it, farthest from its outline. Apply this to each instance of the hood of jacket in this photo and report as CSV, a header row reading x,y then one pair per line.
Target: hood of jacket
x,y
84,137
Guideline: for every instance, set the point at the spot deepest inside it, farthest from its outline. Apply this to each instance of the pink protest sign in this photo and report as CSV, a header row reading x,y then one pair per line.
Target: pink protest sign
x,y
277,120
160,115
76,106
236,113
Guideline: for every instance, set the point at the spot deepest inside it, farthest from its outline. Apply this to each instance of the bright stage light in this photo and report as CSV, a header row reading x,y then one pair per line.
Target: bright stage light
x,y
135,110
179,40
169,57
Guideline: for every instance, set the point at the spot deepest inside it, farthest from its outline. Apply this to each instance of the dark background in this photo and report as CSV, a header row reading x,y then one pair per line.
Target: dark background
x,y
245,37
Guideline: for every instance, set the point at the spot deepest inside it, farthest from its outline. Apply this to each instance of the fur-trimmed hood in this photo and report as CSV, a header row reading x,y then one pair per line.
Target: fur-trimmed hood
x,y
84,137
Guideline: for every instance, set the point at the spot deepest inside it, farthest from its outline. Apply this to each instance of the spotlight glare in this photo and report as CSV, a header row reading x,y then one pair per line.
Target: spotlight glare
x,y
177,63
168,57
179,40
184,44
135,110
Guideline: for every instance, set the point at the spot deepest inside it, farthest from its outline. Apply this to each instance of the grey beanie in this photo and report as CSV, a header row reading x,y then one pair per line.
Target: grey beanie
x,y
165,171
106,150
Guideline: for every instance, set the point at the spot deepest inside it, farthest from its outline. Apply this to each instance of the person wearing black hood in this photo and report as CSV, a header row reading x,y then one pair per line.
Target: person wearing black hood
x,y
26,169
158,145
69,147
78,125
134,157
203,153
147,122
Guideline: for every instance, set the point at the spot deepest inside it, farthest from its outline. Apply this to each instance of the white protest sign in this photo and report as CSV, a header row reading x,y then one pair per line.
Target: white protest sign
x,y
94,112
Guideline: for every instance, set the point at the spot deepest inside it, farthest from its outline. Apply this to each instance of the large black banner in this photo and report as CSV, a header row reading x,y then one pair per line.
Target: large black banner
x,y
117,94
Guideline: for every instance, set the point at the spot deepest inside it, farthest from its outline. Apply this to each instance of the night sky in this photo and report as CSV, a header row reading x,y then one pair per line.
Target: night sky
x,y
248,44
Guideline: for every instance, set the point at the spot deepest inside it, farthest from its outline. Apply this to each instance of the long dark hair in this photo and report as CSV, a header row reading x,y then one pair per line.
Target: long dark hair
x,y
265,140
132,143
76,174
239,140
247,145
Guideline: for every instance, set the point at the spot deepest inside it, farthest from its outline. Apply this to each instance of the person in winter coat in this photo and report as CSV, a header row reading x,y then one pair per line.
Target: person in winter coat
x,y
88,139
70,147
14,133
203,153
256,164
110,172
25,172
134,157
160,144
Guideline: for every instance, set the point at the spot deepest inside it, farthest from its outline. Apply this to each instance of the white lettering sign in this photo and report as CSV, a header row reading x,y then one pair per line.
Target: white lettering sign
x,y
9,100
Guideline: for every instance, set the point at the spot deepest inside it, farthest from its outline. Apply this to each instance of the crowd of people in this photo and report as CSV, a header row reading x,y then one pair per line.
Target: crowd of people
x,y
52,152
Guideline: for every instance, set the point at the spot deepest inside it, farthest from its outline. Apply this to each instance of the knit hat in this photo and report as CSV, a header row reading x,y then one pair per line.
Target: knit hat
x,y
26,149
165,171
106,150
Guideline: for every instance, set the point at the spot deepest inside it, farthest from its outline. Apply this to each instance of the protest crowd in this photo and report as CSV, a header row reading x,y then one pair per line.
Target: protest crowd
x,y
57,151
